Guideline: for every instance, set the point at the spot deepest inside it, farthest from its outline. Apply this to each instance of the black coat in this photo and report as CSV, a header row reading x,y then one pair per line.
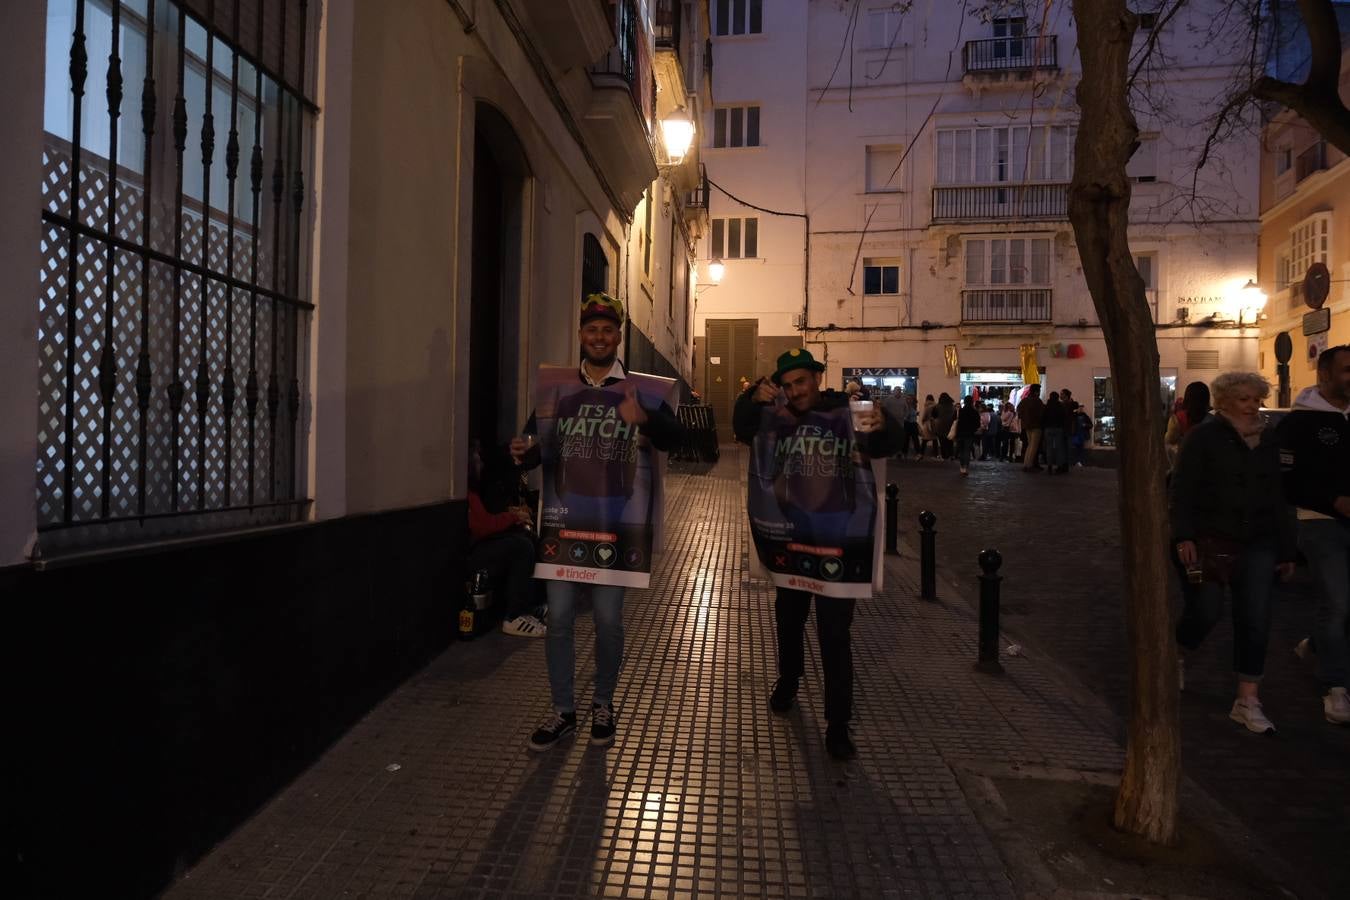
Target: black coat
x,y
1315,452
1223,488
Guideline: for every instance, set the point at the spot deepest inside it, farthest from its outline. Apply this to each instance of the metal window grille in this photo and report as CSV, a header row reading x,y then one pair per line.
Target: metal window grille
x,y
173,266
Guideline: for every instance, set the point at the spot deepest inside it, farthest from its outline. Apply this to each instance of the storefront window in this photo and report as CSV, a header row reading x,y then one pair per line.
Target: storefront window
x,y
1104,405
996,386
882,381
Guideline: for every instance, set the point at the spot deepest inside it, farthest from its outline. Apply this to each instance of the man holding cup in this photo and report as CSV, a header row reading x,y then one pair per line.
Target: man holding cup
x,y
816,456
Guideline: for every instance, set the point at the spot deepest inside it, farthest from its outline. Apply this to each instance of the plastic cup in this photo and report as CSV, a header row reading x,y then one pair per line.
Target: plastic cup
x,y
860,410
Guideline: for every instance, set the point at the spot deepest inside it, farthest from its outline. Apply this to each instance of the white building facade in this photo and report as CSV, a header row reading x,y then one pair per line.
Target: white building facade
x,y
929,156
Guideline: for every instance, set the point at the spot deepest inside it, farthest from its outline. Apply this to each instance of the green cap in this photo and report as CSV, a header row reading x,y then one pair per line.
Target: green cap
x,y
796,358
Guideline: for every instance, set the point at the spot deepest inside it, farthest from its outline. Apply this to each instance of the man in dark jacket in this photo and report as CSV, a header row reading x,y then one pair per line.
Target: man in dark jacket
x,y
797,381
1315,457
1030,412
601,331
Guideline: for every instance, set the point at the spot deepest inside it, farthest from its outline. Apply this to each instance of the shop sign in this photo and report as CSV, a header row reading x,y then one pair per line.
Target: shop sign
x,y
1199,301
1317,322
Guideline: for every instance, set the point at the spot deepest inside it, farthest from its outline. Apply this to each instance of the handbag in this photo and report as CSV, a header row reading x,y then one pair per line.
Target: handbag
x,y
951,432
1219,558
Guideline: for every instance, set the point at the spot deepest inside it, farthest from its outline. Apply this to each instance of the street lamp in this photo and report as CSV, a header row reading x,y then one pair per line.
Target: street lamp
x,y
1253,299
716,269
677,131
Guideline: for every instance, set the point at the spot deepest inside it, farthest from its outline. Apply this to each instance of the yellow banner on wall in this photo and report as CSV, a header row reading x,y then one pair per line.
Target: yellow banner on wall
x,y
1031,371
950,362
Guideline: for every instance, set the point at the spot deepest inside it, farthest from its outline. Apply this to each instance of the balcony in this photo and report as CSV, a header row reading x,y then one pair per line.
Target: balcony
x,y
572,33
667,24
1005,306
1314,159
696,203
1019,202
999,56
616,120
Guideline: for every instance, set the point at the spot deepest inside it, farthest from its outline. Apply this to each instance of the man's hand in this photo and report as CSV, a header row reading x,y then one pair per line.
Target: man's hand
x,y
519,447
872,420
1342,506
522,514
766,391
1285,570
1187,553
629,409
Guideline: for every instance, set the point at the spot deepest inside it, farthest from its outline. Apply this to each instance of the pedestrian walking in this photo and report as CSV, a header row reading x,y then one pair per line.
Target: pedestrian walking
x,y
1082,436
897,410
1009,431
1030,412
1233,532
1054,425
989,432
912,434
1315,453
927,426
1189,412
797,381
944,417
601,331
967,427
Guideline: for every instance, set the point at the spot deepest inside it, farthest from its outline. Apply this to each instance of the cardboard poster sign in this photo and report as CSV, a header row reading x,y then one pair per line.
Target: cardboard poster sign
x,y
601,503
812,500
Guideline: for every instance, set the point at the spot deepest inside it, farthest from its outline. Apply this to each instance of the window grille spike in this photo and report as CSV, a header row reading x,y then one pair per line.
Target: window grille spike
x,y
79,64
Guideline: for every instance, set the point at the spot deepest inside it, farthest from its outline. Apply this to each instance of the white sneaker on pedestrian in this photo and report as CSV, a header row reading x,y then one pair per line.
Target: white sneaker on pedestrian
x,y
1303,649
1248,713
525,626
1336,706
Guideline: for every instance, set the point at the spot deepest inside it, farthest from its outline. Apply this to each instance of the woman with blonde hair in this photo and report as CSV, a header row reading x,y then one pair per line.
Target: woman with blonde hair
x,y
1232,531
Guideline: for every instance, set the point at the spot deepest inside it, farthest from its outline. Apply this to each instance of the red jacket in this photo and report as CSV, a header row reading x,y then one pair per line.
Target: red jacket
x,y
483,524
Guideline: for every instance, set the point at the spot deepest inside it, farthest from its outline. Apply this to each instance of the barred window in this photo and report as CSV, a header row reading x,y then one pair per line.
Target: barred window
x,y
174,260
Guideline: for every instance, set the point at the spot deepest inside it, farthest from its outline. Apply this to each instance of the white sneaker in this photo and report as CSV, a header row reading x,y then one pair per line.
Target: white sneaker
x,y
1336,706
1303,649
1248,713
525,626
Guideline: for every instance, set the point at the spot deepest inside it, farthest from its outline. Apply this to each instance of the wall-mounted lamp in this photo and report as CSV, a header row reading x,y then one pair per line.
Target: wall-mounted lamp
x,y
677,132
716,270
1253,301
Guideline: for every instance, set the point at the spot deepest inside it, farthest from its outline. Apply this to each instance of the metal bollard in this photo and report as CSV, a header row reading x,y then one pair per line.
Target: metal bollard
x,y
892,517
990,560
927,556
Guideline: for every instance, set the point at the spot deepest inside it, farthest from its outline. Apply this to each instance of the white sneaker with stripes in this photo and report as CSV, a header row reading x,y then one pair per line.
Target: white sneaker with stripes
x,y
525,626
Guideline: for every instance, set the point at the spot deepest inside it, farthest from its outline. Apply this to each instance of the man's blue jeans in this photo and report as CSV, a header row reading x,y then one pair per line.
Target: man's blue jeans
x,y
560,649
1326,544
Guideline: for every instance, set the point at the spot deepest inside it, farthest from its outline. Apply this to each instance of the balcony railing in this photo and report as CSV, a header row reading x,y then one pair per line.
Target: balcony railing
x,y
1314,159
1006,305
621,63
666,25
1006,54
1003,201
698,197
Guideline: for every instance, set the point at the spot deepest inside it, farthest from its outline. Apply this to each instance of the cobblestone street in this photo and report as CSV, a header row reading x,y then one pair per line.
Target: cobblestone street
x,y
1062,599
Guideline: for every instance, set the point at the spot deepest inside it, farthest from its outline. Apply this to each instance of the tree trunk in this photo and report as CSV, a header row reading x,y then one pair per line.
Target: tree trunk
x,y
1317,100
1099,208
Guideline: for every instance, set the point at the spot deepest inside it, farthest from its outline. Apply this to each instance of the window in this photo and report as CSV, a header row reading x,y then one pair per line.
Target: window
x,y
1003,261
200,288
1310,242
1147,264
1143,165
882,164
594,266
646,236
734,238
883,27
738,16
881,276
1013,154
1012,29
1147,20
736,126
1284,268
1284,160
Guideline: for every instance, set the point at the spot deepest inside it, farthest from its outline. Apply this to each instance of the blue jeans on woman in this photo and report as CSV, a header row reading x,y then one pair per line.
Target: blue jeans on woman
x,y
560,649
965,449
1326,544
1252,587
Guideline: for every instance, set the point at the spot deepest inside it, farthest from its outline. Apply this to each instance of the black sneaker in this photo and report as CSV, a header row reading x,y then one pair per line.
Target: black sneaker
x,y
554,730
838,744
784,693
603,723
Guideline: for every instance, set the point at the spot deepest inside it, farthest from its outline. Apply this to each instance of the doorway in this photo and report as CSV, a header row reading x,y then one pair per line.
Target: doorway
x,y
730,357
500,187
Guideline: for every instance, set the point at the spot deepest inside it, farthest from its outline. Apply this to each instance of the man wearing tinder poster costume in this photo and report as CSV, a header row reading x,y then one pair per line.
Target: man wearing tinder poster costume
x,y
600,432
814,511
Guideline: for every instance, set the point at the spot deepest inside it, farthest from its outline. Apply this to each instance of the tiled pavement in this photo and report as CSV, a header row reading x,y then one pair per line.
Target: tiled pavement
x,y
1062,598
704,794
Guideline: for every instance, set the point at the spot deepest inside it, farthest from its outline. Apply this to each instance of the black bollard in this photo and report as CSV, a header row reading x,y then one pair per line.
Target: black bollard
x,y
927,556
892,517
990,560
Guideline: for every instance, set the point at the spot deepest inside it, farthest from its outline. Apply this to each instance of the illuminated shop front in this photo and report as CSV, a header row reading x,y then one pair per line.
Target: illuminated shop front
x,y
883,381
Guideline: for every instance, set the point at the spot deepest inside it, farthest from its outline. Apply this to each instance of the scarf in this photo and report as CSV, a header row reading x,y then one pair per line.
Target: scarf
x,y
1249,428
